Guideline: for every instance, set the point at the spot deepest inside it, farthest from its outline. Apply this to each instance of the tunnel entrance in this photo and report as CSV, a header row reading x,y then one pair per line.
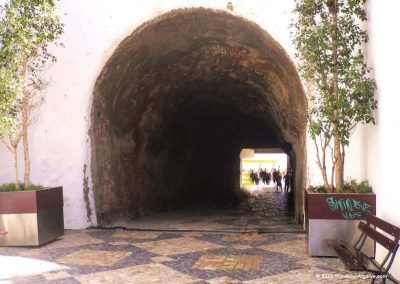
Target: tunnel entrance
x,y
259,167
176,103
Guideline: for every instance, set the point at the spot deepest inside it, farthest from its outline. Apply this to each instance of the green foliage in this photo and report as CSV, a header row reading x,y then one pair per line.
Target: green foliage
x,y
318,188
11,187
316,31
364,187
28,31
329,45
27,28
9,88
350,186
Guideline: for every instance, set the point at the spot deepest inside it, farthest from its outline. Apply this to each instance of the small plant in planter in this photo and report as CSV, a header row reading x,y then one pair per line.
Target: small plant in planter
x,y
355,187
27,29
329,41
6,187
350,186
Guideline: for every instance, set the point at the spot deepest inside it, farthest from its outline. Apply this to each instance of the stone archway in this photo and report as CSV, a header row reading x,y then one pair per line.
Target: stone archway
x,y
176,103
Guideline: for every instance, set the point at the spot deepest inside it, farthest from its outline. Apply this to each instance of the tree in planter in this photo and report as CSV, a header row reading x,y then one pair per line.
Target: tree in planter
x,y
13,127
328,38
11,138
27,29
10,133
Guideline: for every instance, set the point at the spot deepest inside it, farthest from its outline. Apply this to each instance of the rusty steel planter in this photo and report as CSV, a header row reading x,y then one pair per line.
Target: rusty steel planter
x,y
336,216
31,218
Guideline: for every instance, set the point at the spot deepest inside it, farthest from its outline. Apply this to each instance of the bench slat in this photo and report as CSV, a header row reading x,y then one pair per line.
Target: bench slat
x,y
367,263
375,235
385,226
345,256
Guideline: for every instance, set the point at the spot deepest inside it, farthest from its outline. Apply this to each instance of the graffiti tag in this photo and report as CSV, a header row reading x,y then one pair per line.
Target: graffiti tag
x,y
350,208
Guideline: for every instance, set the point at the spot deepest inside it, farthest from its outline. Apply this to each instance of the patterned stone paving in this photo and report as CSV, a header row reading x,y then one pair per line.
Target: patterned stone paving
x,y
228,262
56,275
177,257
244,237
136,235
94,257
150,273
293,247
233,253
222,280
82,239
240,247
177,246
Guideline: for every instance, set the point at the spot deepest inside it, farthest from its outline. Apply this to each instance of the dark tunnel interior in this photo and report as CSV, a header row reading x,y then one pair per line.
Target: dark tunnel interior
x,y
211,136
176,103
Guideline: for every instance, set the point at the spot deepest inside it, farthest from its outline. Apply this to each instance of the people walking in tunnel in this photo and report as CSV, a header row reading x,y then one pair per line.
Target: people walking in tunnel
x,y
278,180
287,179
274,174
251,174
254,177
267,177
266,181
263,175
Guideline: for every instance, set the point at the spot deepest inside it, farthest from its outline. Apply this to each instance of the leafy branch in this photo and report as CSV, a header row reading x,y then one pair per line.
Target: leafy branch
x,y
329,47
29,29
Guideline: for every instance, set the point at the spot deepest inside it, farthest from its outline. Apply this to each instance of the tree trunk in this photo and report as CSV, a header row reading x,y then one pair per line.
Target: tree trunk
x,y
339,169
27,162
338,160
25,124
16,177
325,178
322,163
323,169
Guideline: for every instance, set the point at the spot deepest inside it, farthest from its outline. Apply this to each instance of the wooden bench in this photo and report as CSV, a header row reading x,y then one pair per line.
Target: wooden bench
x,y
355,260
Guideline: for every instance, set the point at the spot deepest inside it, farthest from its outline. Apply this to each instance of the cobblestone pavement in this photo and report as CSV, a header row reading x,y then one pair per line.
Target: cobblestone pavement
x,y
121,256
210,246
265,211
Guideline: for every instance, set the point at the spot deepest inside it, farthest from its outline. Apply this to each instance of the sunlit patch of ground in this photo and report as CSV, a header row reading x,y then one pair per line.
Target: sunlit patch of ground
x,y
16,266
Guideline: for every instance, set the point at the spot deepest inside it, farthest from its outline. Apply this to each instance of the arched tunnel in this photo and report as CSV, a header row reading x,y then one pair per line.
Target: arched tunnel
x,y
176,103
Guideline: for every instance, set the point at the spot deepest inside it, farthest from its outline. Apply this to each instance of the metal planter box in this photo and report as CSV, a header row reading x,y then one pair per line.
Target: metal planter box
x,y
336,216
31,218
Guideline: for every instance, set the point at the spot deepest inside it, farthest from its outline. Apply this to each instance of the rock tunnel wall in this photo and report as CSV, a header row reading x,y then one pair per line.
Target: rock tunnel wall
x,y
176,103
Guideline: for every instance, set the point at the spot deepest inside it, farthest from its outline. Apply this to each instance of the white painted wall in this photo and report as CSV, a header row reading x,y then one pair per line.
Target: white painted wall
x,y
382,141
60,144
